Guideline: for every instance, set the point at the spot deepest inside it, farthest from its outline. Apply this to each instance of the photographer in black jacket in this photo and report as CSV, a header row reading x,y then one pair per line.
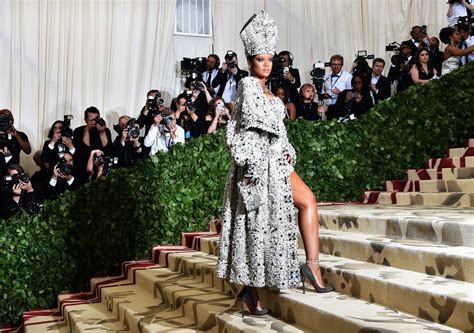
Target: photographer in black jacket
x,y
94,135
60,140
12,141
17,192
127,147
63,176
228,77
291,76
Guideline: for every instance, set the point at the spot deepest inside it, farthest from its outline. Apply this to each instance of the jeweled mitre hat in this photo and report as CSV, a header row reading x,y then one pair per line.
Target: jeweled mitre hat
x,y
259,34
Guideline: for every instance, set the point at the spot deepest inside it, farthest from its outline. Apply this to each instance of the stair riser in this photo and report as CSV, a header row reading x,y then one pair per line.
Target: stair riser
x,y
443,174
403,298
447,199
456,162
409,258
431,186
439,231
461,152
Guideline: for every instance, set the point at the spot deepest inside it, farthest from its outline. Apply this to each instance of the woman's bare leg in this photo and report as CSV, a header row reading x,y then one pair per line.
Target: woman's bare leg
x,y
305,200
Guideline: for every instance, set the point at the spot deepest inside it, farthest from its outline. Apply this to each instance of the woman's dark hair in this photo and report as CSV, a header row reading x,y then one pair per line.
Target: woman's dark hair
x,y
285,91
445,34
212,105
417,60
365,83
51,130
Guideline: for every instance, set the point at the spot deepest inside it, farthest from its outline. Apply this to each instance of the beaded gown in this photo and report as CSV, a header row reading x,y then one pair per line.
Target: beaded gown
x,y
259,248
450,64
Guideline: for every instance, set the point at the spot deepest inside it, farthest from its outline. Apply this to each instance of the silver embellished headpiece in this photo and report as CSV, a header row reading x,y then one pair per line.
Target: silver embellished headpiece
x,y
260,35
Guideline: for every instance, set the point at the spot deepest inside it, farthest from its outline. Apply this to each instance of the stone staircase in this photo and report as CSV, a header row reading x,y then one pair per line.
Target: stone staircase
x,y
446,181
395,268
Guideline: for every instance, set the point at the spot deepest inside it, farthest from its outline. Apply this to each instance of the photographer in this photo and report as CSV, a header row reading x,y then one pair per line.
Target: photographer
x,y
291,76
400,68
218,115
337,81
94,135
127,147
186,116
307,108
213,63
12,142
456,9
17,192
416,34
60,140
99,165
228,77
164,133
63,176
154,104
352,103
379,84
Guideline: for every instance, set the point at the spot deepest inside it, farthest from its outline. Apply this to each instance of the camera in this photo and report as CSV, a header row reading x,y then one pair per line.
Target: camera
x,y
154,103
100,121
398,57
167,120
10,180
189,103
198,85
190,65
317,75
66,130
133,131
6,123
63,165
105,160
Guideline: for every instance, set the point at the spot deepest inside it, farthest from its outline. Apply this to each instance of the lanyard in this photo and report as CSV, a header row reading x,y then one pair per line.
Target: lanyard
x,y
333,84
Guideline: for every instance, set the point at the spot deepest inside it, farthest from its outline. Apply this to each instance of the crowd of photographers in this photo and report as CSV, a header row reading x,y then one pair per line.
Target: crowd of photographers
x,y
71,158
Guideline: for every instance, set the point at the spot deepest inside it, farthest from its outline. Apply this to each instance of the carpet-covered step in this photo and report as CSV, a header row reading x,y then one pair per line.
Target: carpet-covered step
x,y
453,262
437,174
461,152
448,199
448,302
320,312
438,225
454,185
448,162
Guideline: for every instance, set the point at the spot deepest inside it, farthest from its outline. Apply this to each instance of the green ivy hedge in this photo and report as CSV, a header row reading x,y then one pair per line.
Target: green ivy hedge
x,y
91,231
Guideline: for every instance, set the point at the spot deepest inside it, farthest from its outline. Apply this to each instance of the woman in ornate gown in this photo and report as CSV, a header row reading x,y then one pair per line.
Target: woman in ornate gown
x,y
452,54
259,239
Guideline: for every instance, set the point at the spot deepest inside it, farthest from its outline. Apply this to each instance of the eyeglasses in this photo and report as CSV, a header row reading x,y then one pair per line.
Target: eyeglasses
x,y
336,65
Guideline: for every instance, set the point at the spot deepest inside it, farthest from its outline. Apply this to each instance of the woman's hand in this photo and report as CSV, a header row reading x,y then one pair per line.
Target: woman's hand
x,y
290,159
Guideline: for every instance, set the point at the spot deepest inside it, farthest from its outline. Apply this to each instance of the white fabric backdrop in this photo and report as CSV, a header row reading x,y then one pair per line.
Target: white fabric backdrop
x,y
59,57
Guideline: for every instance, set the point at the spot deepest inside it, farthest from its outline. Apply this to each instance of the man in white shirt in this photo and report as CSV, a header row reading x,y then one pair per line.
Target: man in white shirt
x,y
467,40
338,80
164,133
456,9
213,63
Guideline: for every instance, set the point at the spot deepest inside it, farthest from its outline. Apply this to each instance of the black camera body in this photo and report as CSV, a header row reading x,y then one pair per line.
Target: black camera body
x,y
154,103
5,140
10,180
100,121
63,166
105,160
133,131
398,57
66,130
166,121
189,103
317,75
190,65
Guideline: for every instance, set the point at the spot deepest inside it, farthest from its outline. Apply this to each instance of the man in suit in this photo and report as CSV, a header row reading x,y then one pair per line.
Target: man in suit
x,y
413,43
228,77
380,84
291,75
